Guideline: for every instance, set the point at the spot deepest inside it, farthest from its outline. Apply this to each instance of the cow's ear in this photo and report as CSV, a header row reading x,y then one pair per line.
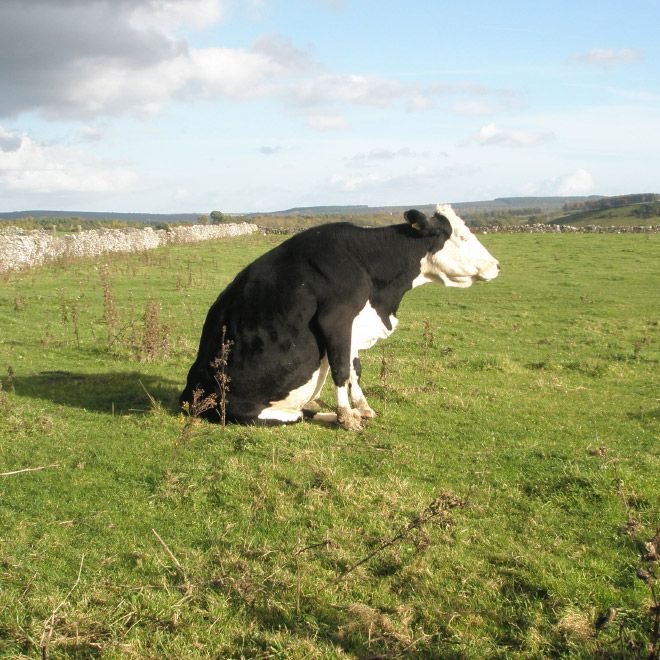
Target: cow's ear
x,y
442,223
417,220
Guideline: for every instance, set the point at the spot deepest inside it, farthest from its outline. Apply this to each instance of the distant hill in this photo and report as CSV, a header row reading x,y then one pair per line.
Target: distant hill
x,y
613,211
635,209
646,213
542,204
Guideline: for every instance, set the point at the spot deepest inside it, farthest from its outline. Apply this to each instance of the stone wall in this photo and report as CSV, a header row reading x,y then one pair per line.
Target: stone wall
x,y
20,248
567,229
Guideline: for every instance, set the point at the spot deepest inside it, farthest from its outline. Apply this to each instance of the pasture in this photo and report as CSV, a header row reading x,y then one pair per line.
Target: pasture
x,y
505,503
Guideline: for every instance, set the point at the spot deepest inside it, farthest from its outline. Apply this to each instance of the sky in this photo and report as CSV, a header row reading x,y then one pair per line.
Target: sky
x,y
169,106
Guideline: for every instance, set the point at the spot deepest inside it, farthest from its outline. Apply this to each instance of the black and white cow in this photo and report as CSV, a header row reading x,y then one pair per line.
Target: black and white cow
x,y
312,303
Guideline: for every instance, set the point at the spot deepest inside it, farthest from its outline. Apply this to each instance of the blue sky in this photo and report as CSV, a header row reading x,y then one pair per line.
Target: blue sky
x,y
255,105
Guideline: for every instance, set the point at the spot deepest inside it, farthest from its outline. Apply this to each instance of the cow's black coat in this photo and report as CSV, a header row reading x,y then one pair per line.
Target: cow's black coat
x,y
297,303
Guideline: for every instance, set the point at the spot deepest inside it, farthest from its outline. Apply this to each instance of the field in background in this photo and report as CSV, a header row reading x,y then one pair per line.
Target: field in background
x,y
504,503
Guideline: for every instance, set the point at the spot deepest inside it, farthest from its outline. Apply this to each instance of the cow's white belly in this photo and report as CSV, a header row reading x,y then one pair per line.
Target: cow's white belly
x,y
289,409
368,328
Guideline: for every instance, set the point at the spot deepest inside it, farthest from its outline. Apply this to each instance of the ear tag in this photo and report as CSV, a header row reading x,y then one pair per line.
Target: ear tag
x,y
416,226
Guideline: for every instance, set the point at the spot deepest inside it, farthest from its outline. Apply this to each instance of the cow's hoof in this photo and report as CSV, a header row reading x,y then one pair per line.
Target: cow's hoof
x,y
365,410
350,419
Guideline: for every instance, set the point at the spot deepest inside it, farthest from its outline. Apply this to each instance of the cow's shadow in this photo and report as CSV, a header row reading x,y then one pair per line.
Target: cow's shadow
x,y
123,392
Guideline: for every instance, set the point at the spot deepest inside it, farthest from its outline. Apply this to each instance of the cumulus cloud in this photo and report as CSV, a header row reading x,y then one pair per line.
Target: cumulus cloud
x,y
348,88
171,15
279,49
577,183
84,59
491,134
608,57
41,168
9,141
54,58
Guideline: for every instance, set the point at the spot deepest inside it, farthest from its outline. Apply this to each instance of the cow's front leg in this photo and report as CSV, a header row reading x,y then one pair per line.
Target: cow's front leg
x,y
336,330
347,417
357,395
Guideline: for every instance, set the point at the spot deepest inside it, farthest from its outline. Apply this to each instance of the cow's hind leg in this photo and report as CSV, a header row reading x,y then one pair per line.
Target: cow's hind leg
x,y
292,407
315,404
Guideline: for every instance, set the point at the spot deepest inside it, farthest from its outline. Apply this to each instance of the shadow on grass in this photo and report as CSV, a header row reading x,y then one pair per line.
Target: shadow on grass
x,y
122,392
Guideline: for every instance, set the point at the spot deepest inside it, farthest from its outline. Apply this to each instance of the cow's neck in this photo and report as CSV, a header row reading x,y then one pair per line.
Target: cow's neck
x,y
393,262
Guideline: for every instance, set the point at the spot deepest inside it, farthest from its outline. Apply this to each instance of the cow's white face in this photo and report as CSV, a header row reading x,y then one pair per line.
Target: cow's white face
x,y
462,259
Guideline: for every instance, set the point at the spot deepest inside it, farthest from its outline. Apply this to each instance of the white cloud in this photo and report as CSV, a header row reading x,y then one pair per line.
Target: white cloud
x,y
577,183
9,141
490,134
327,122
40,168
170,15
279,49
238,74
98,58
347,88
608,57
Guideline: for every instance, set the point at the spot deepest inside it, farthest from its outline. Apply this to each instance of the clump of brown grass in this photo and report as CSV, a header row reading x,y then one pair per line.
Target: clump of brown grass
x,y
221,376
576,625
155,334
110,313
200,404
391,630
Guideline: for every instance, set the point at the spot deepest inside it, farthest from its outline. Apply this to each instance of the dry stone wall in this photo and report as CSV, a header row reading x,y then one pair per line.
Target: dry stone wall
x,y
20,248
566,229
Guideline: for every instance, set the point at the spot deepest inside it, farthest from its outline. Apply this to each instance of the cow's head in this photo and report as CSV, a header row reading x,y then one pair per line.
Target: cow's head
x,y
461,259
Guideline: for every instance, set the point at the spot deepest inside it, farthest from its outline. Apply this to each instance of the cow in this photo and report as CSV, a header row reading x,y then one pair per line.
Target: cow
x,y
308,306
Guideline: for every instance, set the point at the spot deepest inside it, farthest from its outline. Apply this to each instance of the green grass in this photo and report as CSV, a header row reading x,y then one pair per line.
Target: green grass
x,y
532,399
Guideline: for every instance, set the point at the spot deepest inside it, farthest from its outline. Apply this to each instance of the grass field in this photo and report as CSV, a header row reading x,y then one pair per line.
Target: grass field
x,y
504,504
